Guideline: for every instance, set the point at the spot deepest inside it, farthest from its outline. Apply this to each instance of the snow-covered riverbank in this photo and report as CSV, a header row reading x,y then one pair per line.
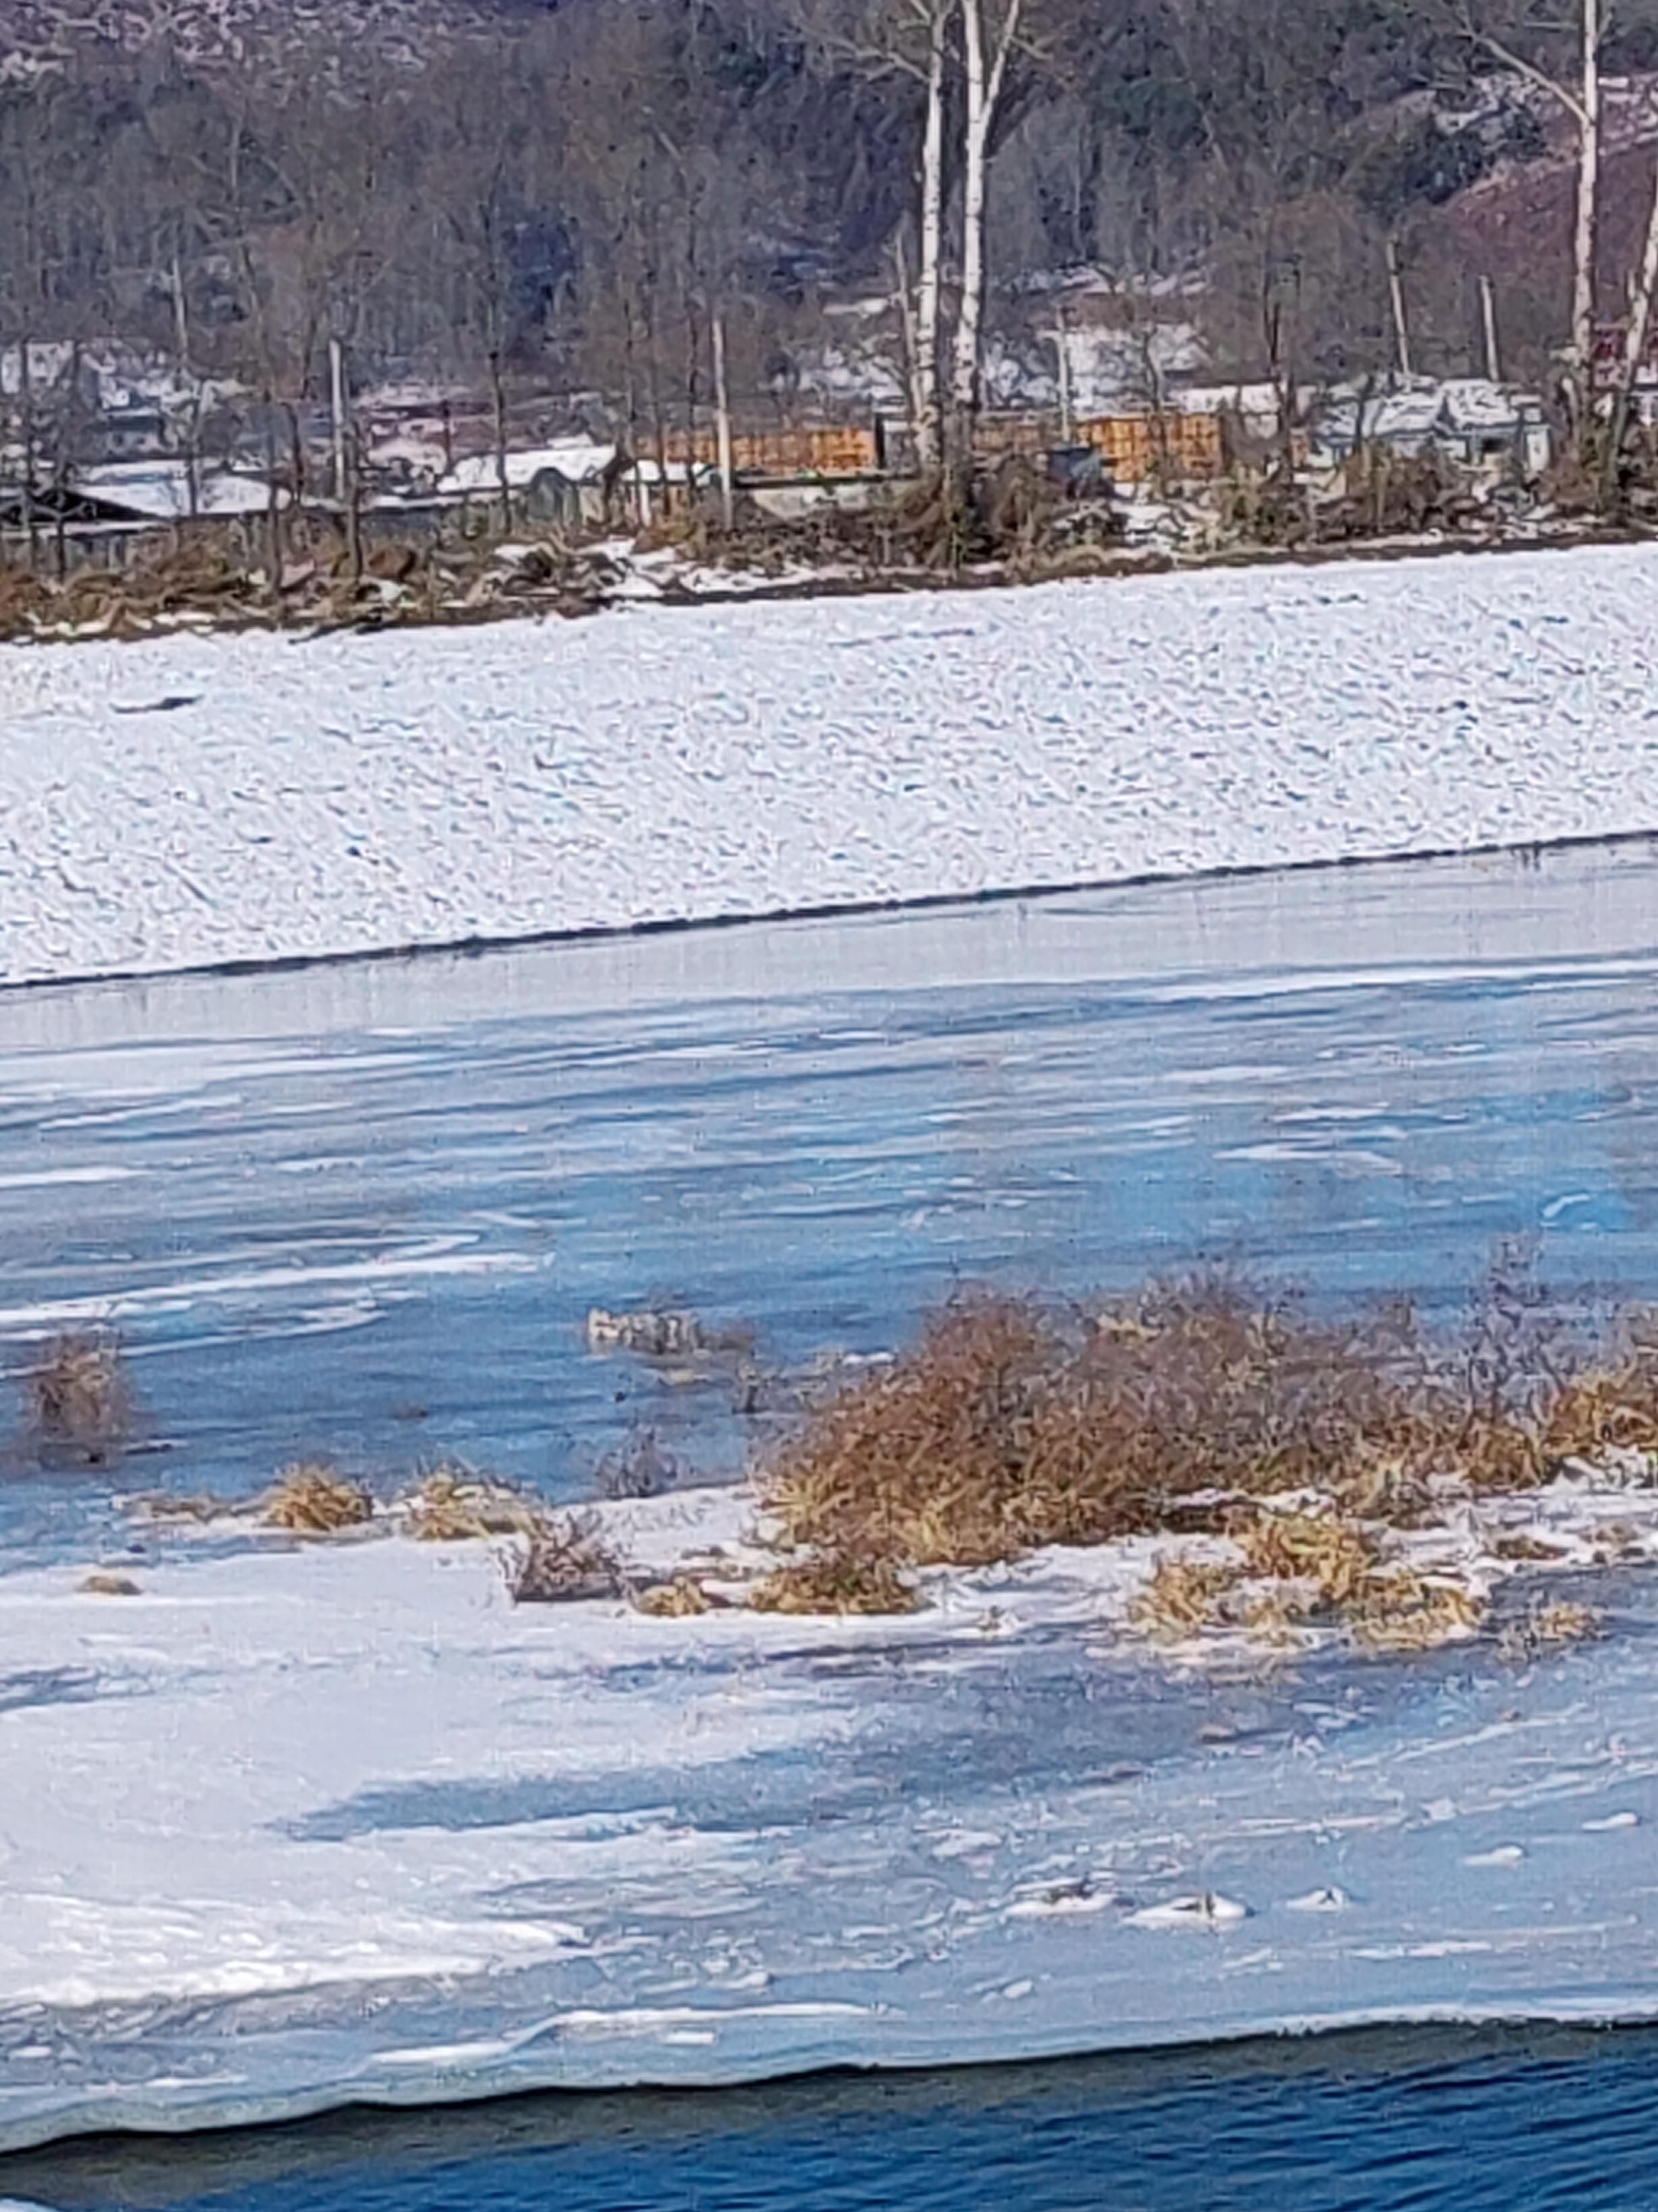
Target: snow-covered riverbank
x,y
198,800
342,1824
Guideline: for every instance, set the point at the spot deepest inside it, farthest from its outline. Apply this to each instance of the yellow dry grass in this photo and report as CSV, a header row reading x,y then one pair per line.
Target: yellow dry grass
x,y
1402,1611
678,1600
1182,1597
833,1584
1326,1550
455,1504
311,1498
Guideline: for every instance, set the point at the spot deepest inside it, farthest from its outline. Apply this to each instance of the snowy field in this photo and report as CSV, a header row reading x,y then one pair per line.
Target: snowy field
x,y
207,800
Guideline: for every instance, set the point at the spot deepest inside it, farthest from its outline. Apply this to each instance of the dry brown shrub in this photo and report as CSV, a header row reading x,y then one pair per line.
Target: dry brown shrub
x,y
566,1561
103,1583
1550,1624
1527,1550
835,1582
456,1504
1401,1611
312,1499
1182,1597
930,1459
1272,1616
1603,1410
678,1600
1010,1424
1326,1550
79,1401
1562,1620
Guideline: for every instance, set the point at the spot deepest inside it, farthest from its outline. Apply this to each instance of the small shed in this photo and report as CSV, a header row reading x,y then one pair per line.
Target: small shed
x,y
569,482
1483,427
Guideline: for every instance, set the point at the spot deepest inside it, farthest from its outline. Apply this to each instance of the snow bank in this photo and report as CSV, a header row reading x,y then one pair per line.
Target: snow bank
x,y
340,1824
202,799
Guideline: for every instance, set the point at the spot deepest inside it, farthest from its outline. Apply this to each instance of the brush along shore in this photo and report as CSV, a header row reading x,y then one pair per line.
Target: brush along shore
x,y
1210,1465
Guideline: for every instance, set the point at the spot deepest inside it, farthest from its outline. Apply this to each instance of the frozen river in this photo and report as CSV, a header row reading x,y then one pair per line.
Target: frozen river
x,y
381,1838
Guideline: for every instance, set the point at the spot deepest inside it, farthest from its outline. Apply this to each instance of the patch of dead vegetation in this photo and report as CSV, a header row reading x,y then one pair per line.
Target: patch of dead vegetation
x,y
311,1499
1329,1553
104,1583
1011,1424
676,1600
564,1562
1399,1610
1182,1597
80,1401
454,1503
834,1583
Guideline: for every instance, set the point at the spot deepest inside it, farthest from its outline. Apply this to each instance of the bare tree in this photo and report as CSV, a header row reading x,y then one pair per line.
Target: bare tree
x,y
989,28
1581,99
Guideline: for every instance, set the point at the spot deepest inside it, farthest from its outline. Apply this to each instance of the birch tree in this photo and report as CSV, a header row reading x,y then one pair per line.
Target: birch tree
x,y
1635,348
989,28
911,41
1580,97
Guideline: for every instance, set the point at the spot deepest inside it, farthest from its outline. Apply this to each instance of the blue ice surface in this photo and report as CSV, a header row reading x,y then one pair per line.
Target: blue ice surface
x,y
367,1211
363,1211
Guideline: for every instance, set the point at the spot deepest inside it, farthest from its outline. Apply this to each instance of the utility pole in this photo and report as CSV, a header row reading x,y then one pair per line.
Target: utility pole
x,y
192,435
722,418
1396,295
1488,310
25,394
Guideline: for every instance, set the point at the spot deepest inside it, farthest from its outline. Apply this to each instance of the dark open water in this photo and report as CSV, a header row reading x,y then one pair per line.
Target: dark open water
x,y
1434,2122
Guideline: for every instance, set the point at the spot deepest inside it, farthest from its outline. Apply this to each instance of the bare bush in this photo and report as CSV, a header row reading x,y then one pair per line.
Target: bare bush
x,y
454,1503
565,1561
80,1401
1011,1423
638,1468
834,1583
311,1498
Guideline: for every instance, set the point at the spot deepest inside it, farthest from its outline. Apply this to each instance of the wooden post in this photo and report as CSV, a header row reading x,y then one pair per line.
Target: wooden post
x,y
273,515
26,395
193,431
1488,311
723,426
1396,296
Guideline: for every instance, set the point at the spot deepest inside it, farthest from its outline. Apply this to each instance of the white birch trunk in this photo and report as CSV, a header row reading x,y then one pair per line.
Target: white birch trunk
x,y
983,87
928,412
1634,344
1589,185
964,382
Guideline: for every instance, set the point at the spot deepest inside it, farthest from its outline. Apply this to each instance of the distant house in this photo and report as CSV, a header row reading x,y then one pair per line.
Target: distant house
x,y
569,481
132,430
160,491
1469,420
104,514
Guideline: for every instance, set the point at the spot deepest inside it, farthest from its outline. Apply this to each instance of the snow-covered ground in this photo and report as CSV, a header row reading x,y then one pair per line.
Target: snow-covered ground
x,y
343,1823
202,800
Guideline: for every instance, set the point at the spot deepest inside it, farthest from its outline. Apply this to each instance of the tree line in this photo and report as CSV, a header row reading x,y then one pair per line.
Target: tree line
x,y
573,195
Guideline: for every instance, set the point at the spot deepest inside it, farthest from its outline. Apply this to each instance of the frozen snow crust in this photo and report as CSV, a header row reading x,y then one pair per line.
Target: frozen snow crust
x,y
198,800
342,1825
